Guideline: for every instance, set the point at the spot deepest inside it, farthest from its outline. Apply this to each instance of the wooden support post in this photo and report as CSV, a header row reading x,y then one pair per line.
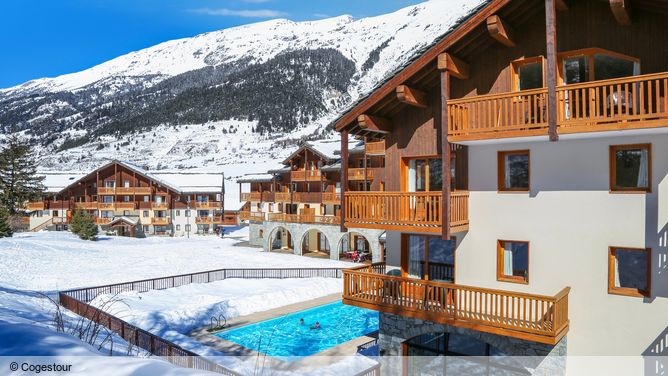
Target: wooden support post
x,y
365,167
413,97
445,156
344,176
622,11
500,31
551,51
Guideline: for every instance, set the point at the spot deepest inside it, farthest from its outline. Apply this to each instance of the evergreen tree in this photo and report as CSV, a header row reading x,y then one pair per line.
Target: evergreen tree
x,y
18,179
83,225
5,228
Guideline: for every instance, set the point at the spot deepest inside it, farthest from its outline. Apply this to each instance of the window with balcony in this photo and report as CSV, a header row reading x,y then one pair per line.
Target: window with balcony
x,y
512,261
528,73
629,271
107,199
429,257
110,183
424,175
630,168
107,214
126,183
513,170
593,64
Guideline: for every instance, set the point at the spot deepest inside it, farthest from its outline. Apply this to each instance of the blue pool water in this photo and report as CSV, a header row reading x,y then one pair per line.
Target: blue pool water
x,y
285,339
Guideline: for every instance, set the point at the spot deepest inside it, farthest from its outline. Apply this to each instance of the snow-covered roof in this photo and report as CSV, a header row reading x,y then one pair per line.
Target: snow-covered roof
x,y
282,170
192,182
56,181
256,178
333,167
123,219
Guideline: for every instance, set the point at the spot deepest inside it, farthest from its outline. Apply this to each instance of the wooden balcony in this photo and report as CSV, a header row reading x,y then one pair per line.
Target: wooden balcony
x,y
405,211
634,102
358,174
35,205
159,206
102,221
375,148
207,204
299,175
133,190
86,205
216,219
106,190
160,220
244,215
331,198
251,196
524,316
282,196
106,205
302,218
126,205
313,175
307,197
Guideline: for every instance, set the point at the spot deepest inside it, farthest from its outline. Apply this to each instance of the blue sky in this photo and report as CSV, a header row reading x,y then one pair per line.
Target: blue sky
x,y
46,38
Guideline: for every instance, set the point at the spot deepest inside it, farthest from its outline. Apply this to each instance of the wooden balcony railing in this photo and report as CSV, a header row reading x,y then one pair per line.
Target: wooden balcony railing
x,y
358,174
250,196
304,218
35,205
282,196
313,175
307,197
411,211
257,216
623,103
159,206
133,190
607,105
244,215
86,205
143,190
519,315
298,175
106,205
207,204
102,221
160,220
126,205
331,198
513,114
375,148
106,190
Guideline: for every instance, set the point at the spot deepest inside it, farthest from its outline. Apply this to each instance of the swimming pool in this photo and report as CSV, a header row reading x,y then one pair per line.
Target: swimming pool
x,y
284,338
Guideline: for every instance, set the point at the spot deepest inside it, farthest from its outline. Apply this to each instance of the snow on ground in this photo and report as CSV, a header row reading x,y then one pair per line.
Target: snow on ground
x,y
50,261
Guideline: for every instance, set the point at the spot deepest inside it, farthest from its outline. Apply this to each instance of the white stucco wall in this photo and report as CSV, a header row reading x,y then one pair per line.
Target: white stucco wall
x,y
570,219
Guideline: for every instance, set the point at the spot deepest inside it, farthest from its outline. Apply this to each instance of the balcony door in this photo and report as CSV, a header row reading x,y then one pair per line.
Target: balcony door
x,y
596,64
429,258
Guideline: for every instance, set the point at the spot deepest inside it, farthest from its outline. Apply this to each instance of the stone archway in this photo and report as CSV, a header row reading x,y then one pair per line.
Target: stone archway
x,y
280,239
315,243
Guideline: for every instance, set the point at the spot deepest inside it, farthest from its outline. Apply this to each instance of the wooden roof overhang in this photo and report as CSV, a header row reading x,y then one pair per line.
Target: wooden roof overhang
x,y
466,40
124,165
301,151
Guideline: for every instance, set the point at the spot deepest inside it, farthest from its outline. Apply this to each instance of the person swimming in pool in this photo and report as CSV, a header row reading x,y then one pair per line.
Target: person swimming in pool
x,y
301,321
316,326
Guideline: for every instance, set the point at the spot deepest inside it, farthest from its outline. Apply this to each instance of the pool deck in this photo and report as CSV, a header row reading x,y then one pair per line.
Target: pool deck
x,y
325,357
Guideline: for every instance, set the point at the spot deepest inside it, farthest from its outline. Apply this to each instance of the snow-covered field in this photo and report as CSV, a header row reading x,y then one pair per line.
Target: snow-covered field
x,y
44,262
51,261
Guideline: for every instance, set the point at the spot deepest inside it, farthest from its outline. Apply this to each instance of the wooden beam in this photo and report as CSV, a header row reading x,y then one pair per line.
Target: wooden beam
x,y
551,52
455,66
562,5
344,177
445,156
412,97
374,123
500,31
621,9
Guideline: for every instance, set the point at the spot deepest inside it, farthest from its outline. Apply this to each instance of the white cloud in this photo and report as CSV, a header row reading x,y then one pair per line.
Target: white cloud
x,y
250,13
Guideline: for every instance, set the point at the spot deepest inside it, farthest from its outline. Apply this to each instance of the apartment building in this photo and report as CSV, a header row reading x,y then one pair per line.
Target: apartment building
x,y
129,201
297,208
525,187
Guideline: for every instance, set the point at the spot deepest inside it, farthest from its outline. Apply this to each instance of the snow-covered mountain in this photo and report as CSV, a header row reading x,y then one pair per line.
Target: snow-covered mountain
x,y
221,97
